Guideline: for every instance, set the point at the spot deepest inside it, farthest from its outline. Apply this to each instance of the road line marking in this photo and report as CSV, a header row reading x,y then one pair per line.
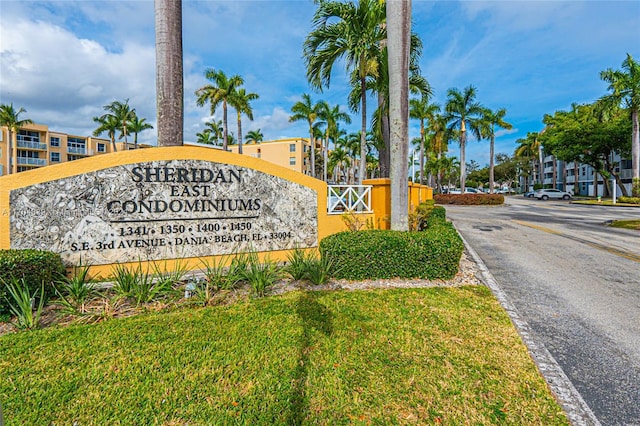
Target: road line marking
x,y
618,252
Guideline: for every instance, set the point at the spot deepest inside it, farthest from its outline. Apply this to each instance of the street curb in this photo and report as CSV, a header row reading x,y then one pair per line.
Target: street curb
x,y
577,411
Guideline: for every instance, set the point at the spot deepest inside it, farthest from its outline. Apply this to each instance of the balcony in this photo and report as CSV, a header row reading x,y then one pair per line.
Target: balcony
x,y
37,146
27,161
76,150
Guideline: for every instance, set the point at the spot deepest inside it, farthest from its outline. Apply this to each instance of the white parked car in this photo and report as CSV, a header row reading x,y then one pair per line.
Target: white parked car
x,y
545,194
466,191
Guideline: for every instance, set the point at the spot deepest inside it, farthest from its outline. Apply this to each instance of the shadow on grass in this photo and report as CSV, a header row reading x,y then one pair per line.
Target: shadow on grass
x,y
316,318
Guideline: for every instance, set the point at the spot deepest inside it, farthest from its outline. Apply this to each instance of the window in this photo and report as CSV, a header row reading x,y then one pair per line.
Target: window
x,y
292,161
55,157
292,147
54,141
76,146
102,147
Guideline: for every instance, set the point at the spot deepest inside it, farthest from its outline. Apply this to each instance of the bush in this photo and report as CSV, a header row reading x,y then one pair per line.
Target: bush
x,y
470,199
35,267
373,254
629,200
426,215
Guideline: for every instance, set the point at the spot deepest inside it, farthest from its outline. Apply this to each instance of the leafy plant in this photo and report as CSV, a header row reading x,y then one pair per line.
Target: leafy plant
x,y
125,279
165,277
261,275
76,290
318,269
298,266
22,306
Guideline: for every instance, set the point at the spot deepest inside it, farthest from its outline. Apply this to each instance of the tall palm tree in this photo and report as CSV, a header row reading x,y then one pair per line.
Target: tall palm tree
x,y
305,110
463,112
10,117
491,119
136,126
331,116
218,93
339,162
530,148
421,109
241,101
351,31
169,79
107,123
254,136
625,87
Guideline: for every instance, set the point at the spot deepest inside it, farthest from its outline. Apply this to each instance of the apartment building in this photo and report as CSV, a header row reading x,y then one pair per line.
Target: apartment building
x,y
34,145
292,153
580,179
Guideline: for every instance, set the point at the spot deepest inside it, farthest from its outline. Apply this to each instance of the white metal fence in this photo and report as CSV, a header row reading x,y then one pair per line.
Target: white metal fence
x,y
354,198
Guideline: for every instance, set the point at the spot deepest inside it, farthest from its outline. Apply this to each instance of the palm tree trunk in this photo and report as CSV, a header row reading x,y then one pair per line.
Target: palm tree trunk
x,y
325,157
312,141
10,144
422,146
239,133
363,136
384,154
169,79
635,145
491,163
463,166
398,38
225,125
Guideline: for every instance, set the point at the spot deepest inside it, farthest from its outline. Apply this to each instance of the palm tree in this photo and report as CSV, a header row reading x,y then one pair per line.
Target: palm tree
x,y
421,109
254,136
240,100
169,79
339,161
530,148
205,137
625,87
10,117
331,116
351,31
216,129
136,126
110,124
464,113
218,93
124,113
491,119
305,110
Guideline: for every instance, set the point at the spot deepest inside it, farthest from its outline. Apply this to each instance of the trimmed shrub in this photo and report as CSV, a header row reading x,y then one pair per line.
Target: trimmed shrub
x,y
470,199
426,215
35,267
374,254
629,200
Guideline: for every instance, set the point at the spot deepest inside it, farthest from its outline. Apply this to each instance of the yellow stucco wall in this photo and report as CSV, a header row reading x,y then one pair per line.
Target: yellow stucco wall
x,y
327,224
381,199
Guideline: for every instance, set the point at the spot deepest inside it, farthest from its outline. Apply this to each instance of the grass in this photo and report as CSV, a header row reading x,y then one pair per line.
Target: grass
x,y
627,224
604,202
410,356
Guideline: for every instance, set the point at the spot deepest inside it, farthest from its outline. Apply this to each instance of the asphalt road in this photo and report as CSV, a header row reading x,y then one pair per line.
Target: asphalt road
x,y
576,282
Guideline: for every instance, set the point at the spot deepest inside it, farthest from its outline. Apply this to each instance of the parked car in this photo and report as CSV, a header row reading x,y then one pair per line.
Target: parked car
x,y
545,194
466,191
529,194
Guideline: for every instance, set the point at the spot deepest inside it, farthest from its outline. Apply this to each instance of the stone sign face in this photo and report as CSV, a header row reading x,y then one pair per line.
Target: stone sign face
x,y
163,210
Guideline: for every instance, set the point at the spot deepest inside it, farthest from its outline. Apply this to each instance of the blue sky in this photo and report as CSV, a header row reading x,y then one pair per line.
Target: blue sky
x,y
63,60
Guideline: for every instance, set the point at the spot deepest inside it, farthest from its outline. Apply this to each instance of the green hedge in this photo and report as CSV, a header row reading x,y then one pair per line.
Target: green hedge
x,y
374,254
427,215
35,266
470,199
629,200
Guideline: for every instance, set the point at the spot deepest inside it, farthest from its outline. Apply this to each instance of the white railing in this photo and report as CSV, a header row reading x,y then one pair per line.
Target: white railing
x,y
76,150
28,161
354,198
32,145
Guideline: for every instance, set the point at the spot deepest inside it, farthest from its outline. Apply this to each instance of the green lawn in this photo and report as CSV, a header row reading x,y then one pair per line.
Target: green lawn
x,y
411,356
